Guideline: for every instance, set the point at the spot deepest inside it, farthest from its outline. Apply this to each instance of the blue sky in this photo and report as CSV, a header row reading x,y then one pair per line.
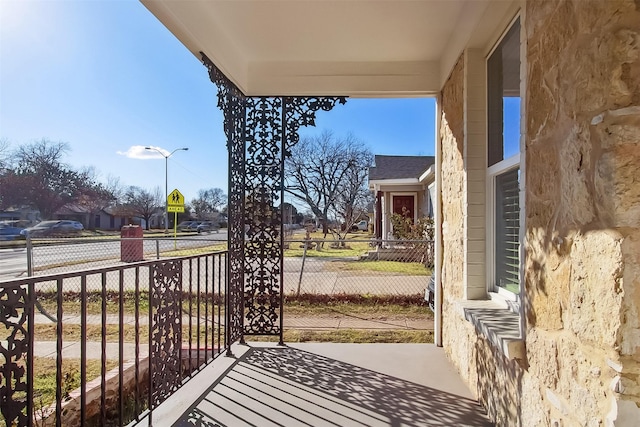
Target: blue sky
x,y
107,78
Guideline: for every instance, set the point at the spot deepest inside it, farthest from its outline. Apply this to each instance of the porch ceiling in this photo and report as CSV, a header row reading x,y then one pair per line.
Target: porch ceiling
x,y
334,47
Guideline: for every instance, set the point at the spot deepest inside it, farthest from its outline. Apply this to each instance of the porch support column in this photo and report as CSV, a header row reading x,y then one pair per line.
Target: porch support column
x,y
271,130
232,102
379,215
260,134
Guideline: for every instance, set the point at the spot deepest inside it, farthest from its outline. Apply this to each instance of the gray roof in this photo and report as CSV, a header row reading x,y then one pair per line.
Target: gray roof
x,y
399,167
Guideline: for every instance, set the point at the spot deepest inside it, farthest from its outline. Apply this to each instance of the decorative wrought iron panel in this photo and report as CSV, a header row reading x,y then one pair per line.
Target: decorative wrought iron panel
x,y
16,385
263,182
233,105
260,133
165,334
236,228
301,111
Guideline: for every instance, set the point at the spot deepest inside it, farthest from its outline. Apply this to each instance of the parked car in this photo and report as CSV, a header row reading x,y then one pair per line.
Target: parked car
x,y
9,232
208,226
360,226
53,228
430,294
188,226
73,224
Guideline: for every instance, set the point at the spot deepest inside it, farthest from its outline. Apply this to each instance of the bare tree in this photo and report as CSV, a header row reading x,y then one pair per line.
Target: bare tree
x,y
4,154
95,196
38,178
354,199
141,203
208,202
321,170
114,185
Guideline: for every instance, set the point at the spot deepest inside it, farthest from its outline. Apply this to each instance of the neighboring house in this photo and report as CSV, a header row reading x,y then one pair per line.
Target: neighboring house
x,y
402,185
289,213
216,217
105,219
26,216
157,219
110,219
537,269
74,212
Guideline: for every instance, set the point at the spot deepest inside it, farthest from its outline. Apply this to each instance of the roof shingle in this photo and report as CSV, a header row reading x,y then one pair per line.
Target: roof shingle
x,y
399,167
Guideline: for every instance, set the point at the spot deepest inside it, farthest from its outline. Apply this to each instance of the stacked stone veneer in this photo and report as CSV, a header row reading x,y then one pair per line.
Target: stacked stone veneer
x,y
453,182
582,209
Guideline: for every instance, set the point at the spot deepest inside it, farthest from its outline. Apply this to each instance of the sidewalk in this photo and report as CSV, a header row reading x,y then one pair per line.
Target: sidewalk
x,y
94,349
339,321
352,322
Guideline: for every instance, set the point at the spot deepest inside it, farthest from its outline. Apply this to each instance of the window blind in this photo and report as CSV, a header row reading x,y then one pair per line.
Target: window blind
x,y
507,236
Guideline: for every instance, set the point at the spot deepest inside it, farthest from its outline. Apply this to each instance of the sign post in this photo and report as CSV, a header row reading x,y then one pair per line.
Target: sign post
x,y
175,204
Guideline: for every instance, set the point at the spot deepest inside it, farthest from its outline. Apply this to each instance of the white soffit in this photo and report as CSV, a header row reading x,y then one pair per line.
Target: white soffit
x,y
392,182
428,174
333,47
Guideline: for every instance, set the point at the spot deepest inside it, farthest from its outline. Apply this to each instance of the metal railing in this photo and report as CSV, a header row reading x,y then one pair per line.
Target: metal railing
x,y
116,341
112,339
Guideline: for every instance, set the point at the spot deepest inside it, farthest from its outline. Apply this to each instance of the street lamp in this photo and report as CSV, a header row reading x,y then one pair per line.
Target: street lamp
x,y
166,180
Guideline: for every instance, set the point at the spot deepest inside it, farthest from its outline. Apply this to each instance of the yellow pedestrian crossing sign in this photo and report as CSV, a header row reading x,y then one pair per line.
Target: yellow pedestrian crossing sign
x,y
175,201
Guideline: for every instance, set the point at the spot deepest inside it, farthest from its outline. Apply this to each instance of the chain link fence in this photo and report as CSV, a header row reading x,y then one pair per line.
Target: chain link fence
x,y
355,266
43,256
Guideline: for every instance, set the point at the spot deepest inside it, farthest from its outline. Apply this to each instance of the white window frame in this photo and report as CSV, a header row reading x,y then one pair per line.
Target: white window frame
x,y
516,161
494,171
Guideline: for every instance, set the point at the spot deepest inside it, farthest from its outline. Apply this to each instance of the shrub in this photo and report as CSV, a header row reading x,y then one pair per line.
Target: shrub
x,y
404,227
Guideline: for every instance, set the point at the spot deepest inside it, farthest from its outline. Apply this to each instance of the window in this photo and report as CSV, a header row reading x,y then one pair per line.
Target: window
x,y
503,114
507,230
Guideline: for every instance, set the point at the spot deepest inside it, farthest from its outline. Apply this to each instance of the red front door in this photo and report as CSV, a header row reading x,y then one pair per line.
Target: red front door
x,y
403,205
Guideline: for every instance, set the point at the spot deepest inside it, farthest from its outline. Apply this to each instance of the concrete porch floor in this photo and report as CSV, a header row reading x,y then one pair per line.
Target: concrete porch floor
x,y
319,384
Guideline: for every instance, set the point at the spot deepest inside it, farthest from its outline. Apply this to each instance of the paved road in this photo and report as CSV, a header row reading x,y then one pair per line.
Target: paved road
x,y
13,262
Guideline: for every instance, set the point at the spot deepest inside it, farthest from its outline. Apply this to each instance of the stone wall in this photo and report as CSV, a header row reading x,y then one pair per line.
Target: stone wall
x,y
582,208
495,380
453,182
